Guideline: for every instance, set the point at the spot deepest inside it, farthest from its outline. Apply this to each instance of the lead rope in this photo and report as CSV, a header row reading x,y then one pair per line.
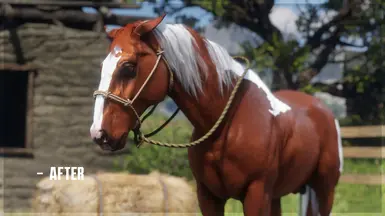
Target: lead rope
x,y
142,138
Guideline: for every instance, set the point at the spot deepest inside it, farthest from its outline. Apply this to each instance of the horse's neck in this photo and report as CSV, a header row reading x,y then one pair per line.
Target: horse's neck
x,y
204,110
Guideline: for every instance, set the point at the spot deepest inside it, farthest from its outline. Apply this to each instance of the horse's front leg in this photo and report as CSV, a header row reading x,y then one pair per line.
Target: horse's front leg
x,y
257,201
209,204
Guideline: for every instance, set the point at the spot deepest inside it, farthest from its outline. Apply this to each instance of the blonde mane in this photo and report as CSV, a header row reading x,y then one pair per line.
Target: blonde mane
x,y
180,52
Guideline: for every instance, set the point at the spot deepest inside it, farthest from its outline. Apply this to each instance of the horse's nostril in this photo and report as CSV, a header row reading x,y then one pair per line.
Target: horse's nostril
x,y
101,137
102,134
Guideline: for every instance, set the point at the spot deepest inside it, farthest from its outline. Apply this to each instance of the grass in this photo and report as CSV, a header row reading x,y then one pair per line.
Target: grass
x,y
363,166
349,198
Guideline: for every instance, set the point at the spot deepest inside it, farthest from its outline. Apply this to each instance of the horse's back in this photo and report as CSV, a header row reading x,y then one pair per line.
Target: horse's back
x,y
306,107
297,99
302,103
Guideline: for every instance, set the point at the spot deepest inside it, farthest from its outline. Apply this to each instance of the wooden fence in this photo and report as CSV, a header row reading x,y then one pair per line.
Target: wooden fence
x,y
376,131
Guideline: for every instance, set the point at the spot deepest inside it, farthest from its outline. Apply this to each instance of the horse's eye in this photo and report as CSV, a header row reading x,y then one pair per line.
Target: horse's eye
x,y
128,70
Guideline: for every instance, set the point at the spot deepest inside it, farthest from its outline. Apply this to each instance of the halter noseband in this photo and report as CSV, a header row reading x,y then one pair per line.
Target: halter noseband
x,y
128,102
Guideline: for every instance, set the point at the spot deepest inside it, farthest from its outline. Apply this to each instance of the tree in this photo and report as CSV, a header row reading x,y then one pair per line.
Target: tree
x,y
364,84
289,58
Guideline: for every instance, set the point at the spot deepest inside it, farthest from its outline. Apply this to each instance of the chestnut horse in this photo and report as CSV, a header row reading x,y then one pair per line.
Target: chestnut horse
x,y
268,145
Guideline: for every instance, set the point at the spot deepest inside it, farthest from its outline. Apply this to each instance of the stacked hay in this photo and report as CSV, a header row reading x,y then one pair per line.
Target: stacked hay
x,y
116,193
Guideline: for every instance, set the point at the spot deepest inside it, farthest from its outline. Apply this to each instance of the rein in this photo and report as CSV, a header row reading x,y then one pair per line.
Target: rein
x,y
139,137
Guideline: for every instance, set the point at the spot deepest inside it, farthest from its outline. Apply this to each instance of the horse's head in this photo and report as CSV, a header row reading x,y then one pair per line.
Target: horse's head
x,y
133,77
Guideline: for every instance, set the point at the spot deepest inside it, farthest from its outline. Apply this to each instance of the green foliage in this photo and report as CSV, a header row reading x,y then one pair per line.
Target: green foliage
x,y
278,57
218,7
150,158
364,87
351,120
333,4
366,97
310,89
167,160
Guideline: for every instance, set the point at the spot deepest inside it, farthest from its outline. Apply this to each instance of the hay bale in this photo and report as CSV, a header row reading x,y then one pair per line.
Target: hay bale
x,y
120,193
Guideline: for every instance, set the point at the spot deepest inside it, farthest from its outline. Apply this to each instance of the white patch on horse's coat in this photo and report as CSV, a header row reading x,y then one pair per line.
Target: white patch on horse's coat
x,y
108,68
340,152
276,106
225,63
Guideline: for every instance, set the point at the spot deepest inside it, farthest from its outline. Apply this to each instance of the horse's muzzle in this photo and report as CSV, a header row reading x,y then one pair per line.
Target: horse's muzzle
x,y
108,144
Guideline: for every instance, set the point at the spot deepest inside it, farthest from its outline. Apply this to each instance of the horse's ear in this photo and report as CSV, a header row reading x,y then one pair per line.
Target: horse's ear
x,y
111,34
148,25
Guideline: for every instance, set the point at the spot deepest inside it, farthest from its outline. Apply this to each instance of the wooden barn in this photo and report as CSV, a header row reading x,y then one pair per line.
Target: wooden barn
x,y
50,65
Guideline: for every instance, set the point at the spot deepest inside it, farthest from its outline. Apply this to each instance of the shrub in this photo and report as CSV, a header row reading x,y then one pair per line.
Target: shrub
x,y
166,160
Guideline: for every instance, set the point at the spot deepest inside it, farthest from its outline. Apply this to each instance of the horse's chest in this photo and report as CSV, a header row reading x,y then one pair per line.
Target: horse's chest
x,y
220,175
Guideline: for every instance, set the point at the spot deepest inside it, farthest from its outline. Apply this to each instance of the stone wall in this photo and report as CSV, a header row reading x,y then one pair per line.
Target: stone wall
x,y
68,63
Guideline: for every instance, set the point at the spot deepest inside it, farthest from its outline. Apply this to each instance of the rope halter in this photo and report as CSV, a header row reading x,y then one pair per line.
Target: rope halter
x,y
128,102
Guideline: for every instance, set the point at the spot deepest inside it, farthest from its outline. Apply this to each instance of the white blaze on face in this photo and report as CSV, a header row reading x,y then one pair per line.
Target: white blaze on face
x,y
108,68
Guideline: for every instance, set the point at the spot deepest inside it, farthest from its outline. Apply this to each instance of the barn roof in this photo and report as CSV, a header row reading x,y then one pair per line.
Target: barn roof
x,y
73,3
67,13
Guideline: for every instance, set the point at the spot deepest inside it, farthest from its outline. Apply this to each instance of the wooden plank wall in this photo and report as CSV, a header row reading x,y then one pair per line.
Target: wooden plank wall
x,y
373,131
